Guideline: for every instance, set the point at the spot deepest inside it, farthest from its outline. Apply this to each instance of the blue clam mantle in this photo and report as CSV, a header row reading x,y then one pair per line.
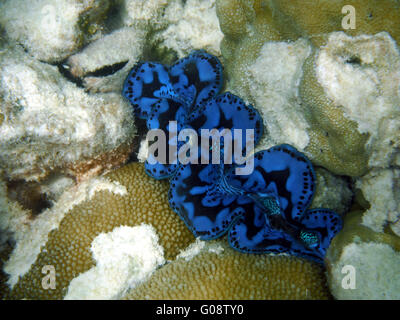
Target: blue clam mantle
x,y
264,211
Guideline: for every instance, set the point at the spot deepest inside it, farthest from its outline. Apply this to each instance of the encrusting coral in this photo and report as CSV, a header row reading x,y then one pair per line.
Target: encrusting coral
x,y
373,258
103,64
219,272
192,25
381,190
52,126
334,140
133,198
333,96
332,93
124,258
52,30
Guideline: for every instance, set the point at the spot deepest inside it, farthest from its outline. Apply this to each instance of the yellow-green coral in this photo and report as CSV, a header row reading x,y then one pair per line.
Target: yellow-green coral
x,y
335,142
335,139
362,263
354,231
68,246
275,20
219,272
313,18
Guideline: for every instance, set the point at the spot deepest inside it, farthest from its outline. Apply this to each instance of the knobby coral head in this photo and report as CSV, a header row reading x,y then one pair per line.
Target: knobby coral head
x,y
265,210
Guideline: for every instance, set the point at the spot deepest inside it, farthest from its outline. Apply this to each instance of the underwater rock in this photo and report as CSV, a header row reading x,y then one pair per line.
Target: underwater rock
x,y
62,236
52,126
362,263
335,142
52,30
376,273
213,270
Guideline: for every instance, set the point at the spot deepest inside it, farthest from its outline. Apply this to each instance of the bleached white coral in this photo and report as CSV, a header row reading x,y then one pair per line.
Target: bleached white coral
x,y
142,13
192,25
51,30
122,46
30,237
274,80
50,123
197,247
124,258
361,75
381,188
372,272
13,218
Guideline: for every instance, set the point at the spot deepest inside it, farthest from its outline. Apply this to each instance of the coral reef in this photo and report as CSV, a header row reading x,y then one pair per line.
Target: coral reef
x,y
52,126
381,189
53,30
104,64
373,257
124,258
217,272
192,25
63,235
142,14
322,85
331,93
351,90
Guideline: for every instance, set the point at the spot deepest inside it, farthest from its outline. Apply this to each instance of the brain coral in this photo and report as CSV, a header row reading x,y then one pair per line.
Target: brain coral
x,y
219,272
68,246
